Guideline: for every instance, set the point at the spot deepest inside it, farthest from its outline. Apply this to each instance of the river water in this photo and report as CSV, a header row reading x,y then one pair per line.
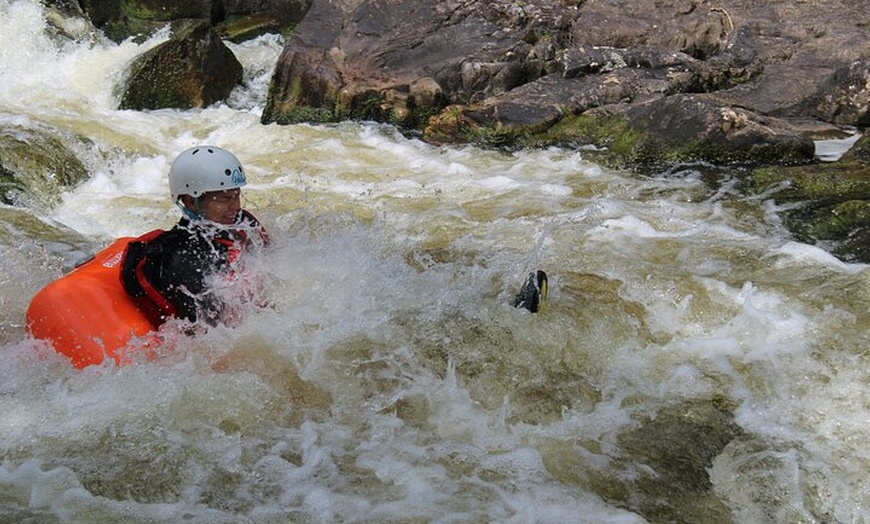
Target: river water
x,y
694,364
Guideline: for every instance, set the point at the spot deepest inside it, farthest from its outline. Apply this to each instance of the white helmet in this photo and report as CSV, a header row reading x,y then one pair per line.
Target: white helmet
x,y
202,169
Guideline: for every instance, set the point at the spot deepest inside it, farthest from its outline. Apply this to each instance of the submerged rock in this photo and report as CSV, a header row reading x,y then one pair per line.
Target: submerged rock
x,y
679,446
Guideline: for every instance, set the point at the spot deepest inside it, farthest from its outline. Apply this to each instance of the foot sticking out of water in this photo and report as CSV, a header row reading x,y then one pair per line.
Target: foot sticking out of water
x,y
533,294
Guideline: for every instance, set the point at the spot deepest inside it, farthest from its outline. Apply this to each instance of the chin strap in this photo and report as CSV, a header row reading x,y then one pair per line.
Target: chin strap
x,y
189,213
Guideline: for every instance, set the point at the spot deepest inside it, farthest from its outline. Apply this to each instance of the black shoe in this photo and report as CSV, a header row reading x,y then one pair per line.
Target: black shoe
x,y
533,295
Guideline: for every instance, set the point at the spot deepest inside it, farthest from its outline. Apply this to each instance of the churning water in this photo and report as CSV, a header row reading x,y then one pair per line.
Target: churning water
x,y
695,364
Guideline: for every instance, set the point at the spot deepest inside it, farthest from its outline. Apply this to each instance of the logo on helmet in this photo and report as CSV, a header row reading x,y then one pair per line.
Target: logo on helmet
x,y
238,176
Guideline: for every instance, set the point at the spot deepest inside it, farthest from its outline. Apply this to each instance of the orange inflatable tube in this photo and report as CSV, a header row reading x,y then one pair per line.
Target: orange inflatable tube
x,y
86,314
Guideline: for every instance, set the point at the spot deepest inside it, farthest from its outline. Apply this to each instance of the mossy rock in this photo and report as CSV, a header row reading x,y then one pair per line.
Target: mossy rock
x,y
193,69
36,165
834,200
120,20
649,137
241,28
613,141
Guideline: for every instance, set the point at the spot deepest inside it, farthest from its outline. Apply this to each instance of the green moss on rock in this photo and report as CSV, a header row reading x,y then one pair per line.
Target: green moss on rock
x,y
833,200
36,165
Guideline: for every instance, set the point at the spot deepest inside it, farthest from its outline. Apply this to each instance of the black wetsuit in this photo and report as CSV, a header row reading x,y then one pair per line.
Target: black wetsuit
x,y
169,273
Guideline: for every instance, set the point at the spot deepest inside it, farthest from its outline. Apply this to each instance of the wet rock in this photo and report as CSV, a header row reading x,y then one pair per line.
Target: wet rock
x,y
507,73
689,128
192,69
65,21
234,19
845,97
828,202
344,55
36,164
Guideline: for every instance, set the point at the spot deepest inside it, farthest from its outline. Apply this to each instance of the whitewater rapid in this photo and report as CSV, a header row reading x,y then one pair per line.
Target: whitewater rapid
x,y
390,380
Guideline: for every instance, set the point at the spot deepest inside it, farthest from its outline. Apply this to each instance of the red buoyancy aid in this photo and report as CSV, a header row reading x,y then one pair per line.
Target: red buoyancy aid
x,y
155,305
95,311
193,271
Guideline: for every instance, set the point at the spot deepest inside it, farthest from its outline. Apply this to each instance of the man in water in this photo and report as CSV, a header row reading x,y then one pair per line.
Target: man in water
x,y
179,273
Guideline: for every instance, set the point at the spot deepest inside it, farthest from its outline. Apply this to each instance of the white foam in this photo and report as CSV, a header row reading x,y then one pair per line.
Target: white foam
x,y
797,252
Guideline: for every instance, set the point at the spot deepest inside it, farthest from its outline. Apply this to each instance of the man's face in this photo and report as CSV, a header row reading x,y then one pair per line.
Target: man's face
x,y
221,206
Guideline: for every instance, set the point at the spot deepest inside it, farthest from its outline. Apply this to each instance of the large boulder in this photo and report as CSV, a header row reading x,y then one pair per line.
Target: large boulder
x,y
194,68
385,61
505,73
685,128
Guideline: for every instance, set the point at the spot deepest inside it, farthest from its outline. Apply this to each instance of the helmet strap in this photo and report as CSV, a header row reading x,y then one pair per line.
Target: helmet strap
x,y
189,213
